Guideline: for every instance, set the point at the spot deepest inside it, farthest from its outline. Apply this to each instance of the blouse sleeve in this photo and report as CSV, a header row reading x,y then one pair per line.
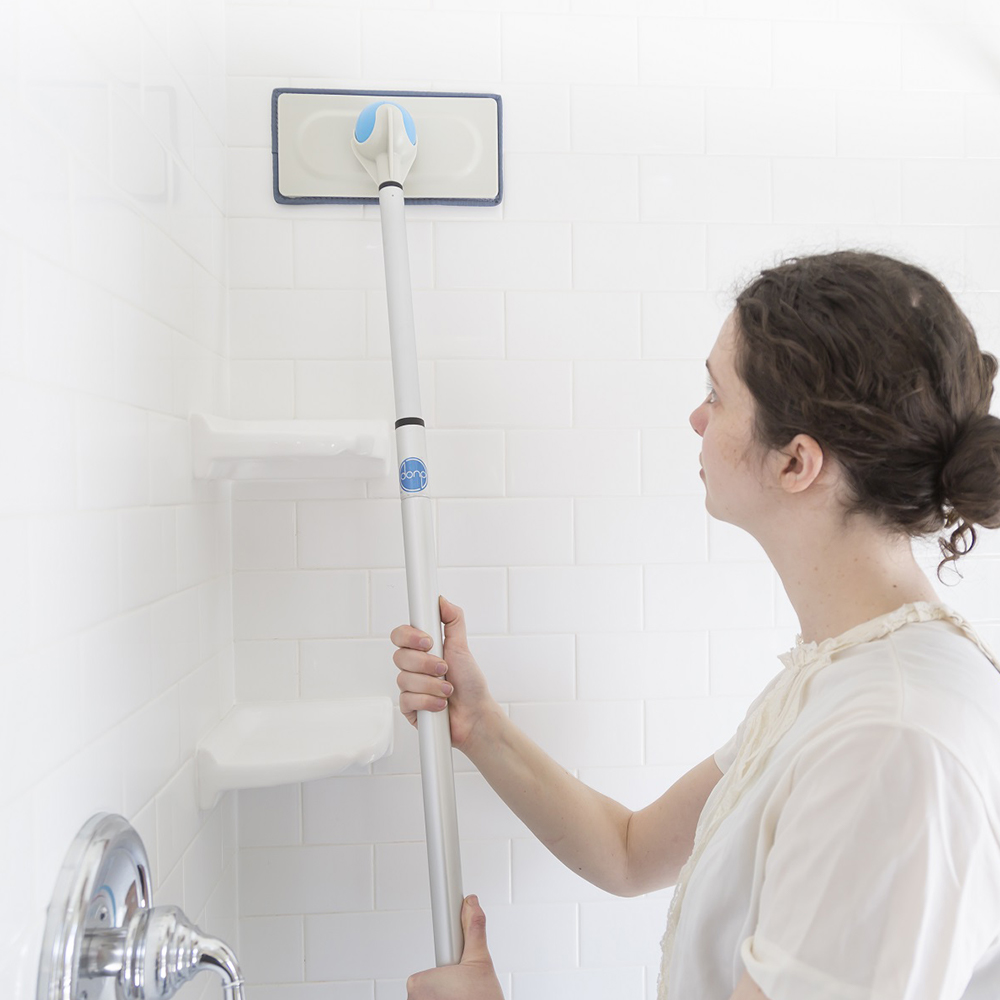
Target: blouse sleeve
x,y
882,880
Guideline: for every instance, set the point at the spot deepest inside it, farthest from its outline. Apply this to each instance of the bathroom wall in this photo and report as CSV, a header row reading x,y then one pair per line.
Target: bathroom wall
x,y
655,154
116,628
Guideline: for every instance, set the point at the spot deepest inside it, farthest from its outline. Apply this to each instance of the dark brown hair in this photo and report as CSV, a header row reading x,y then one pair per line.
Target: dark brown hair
x,y
874,359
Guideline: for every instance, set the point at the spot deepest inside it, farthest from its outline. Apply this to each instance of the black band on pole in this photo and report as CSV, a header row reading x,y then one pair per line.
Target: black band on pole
x,y
409,420
394,184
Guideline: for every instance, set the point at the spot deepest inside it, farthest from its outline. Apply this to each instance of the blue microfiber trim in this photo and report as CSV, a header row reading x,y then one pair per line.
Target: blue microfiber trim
x,y
284,200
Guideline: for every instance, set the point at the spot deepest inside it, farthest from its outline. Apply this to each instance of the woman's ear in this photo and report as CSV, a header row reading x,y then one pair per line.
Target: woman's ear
x,y
800,463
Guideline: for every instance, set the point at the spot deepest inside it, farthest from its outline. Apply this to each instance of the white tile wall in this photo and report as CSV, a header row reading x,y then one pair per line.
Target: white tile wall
x,y
657,154
116,570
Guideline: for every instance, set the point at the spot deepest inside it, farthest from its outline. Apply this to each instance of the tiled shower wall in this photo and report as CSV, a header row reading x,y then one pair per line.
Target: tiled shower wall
x,y
116,624
656,153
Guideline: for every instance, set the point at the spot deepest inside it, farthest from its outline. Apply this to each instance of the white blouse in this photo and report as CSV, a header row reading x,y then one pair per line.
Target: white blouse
x,y
862,861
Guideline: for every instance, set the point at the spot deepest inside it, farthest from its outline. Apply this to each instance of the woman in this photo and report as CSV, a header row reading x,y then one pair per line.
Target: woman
x,y
845,843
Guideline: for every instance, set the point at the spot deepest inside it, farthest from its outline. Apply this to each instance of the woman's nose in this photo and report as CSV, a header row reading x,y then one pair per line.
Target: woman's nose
x,y
698,420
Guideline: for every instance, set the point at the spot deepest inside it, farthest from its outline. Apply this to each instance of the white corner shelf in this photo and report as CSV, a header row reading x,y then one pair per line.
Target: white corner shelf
x,y
260,744
288,449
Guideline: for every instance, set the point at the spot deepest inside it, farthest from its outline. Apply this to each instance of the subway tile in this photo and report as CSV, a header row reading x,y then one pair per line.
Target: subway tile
x,y
148,539
538,876
202,863
700,52
348,946
448,325
248,110
285,324
266,670
633,530
811,55
202,537
744,660
169,460
670,462
74,580
945,57
465,463
705,188
575,598
638,257
291,41
351,390
270,817
642,665
982,125
260,253
585,733
482,813
481,591
573,463
362,810
682,324
401,880
553,48
505,532
115,669
15,630
527,668
571,187
504,393
728,543
777,121
533,936
676,596
287,880
634,787
349,255
981,250
646,393
536,117
623,931
142,355
939,249
152,739
737,251
272,949
678,114
581,984
262,390
299,605
35,421
842,191
347,668
900,123
112,455
572,325
317,991
516,255
344,534
686,730
950,192
264,535
459,44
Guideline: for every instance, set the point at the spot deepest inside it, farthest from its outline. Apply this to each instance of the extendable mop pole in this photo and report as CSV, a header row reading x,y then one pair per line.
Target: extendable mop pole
x,y
385,142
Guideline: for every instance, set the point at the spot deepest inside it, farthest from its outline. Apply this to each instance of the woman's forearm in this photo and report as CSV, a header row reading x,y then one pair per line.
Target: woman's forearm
x,y
584,829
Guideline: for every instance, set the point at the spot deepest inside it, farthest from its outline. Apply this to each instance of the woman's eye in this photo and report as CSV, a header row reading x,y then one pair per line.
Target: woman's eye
x,y
710,389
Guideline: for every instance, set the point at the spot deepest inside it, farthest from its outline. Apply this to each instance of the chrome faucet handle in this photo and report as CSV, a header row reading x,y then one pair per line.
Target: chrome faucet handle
x,y
105,941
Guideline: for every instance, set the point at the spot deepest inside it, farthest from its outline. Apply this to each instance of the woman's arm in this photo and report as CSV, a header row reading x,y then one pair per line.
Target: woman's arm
x,y
621,851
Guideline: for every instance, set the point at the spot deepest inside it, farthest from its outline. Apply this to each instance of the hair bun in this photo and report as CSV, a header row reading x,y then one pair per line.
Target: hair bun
x,y
970,479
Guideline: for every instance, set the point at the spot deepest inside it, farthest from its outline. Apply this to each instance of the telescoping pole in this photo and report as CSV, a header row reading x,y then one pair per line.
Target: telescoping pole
x,y
391,128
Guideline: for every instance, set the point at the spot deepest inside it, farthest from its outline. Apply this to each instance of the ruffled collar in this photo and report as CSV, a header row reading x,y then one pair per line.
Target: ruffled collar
x,y
804,653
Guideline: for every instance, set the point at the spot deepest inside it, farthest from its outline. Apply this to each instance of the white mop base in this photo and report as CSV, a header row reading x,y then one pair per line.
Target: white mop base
x,y
458,147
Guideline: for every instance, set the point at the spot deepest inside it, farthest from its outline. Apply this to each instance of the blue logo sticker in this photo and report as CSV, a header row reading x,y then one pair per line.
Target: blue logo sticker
x,y
412,475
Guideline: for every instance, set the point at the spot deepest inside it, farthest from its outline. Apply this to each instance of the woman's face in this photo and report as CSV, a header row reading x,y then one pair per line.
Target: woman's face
x,y
730,463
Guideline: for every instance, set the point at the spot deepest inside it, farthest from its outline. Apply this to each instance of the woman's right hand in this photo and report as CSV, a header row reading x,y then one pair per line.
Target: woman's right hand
x,y
428,684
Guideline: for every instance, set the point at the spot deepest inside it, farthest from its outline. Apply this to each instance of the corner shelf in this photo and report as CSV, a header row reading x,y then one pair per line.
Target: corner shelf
x,y
288,449
260,744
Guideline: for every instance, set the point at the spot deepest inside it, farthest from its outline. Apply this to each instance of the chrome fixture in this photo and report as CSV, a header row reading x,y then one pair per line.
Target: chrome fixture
x,y
104,940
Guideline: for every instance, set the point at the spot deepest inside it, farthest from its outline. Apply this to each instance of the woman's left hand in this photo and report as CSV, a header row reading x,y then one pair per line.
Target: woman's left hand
x,y
473,978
